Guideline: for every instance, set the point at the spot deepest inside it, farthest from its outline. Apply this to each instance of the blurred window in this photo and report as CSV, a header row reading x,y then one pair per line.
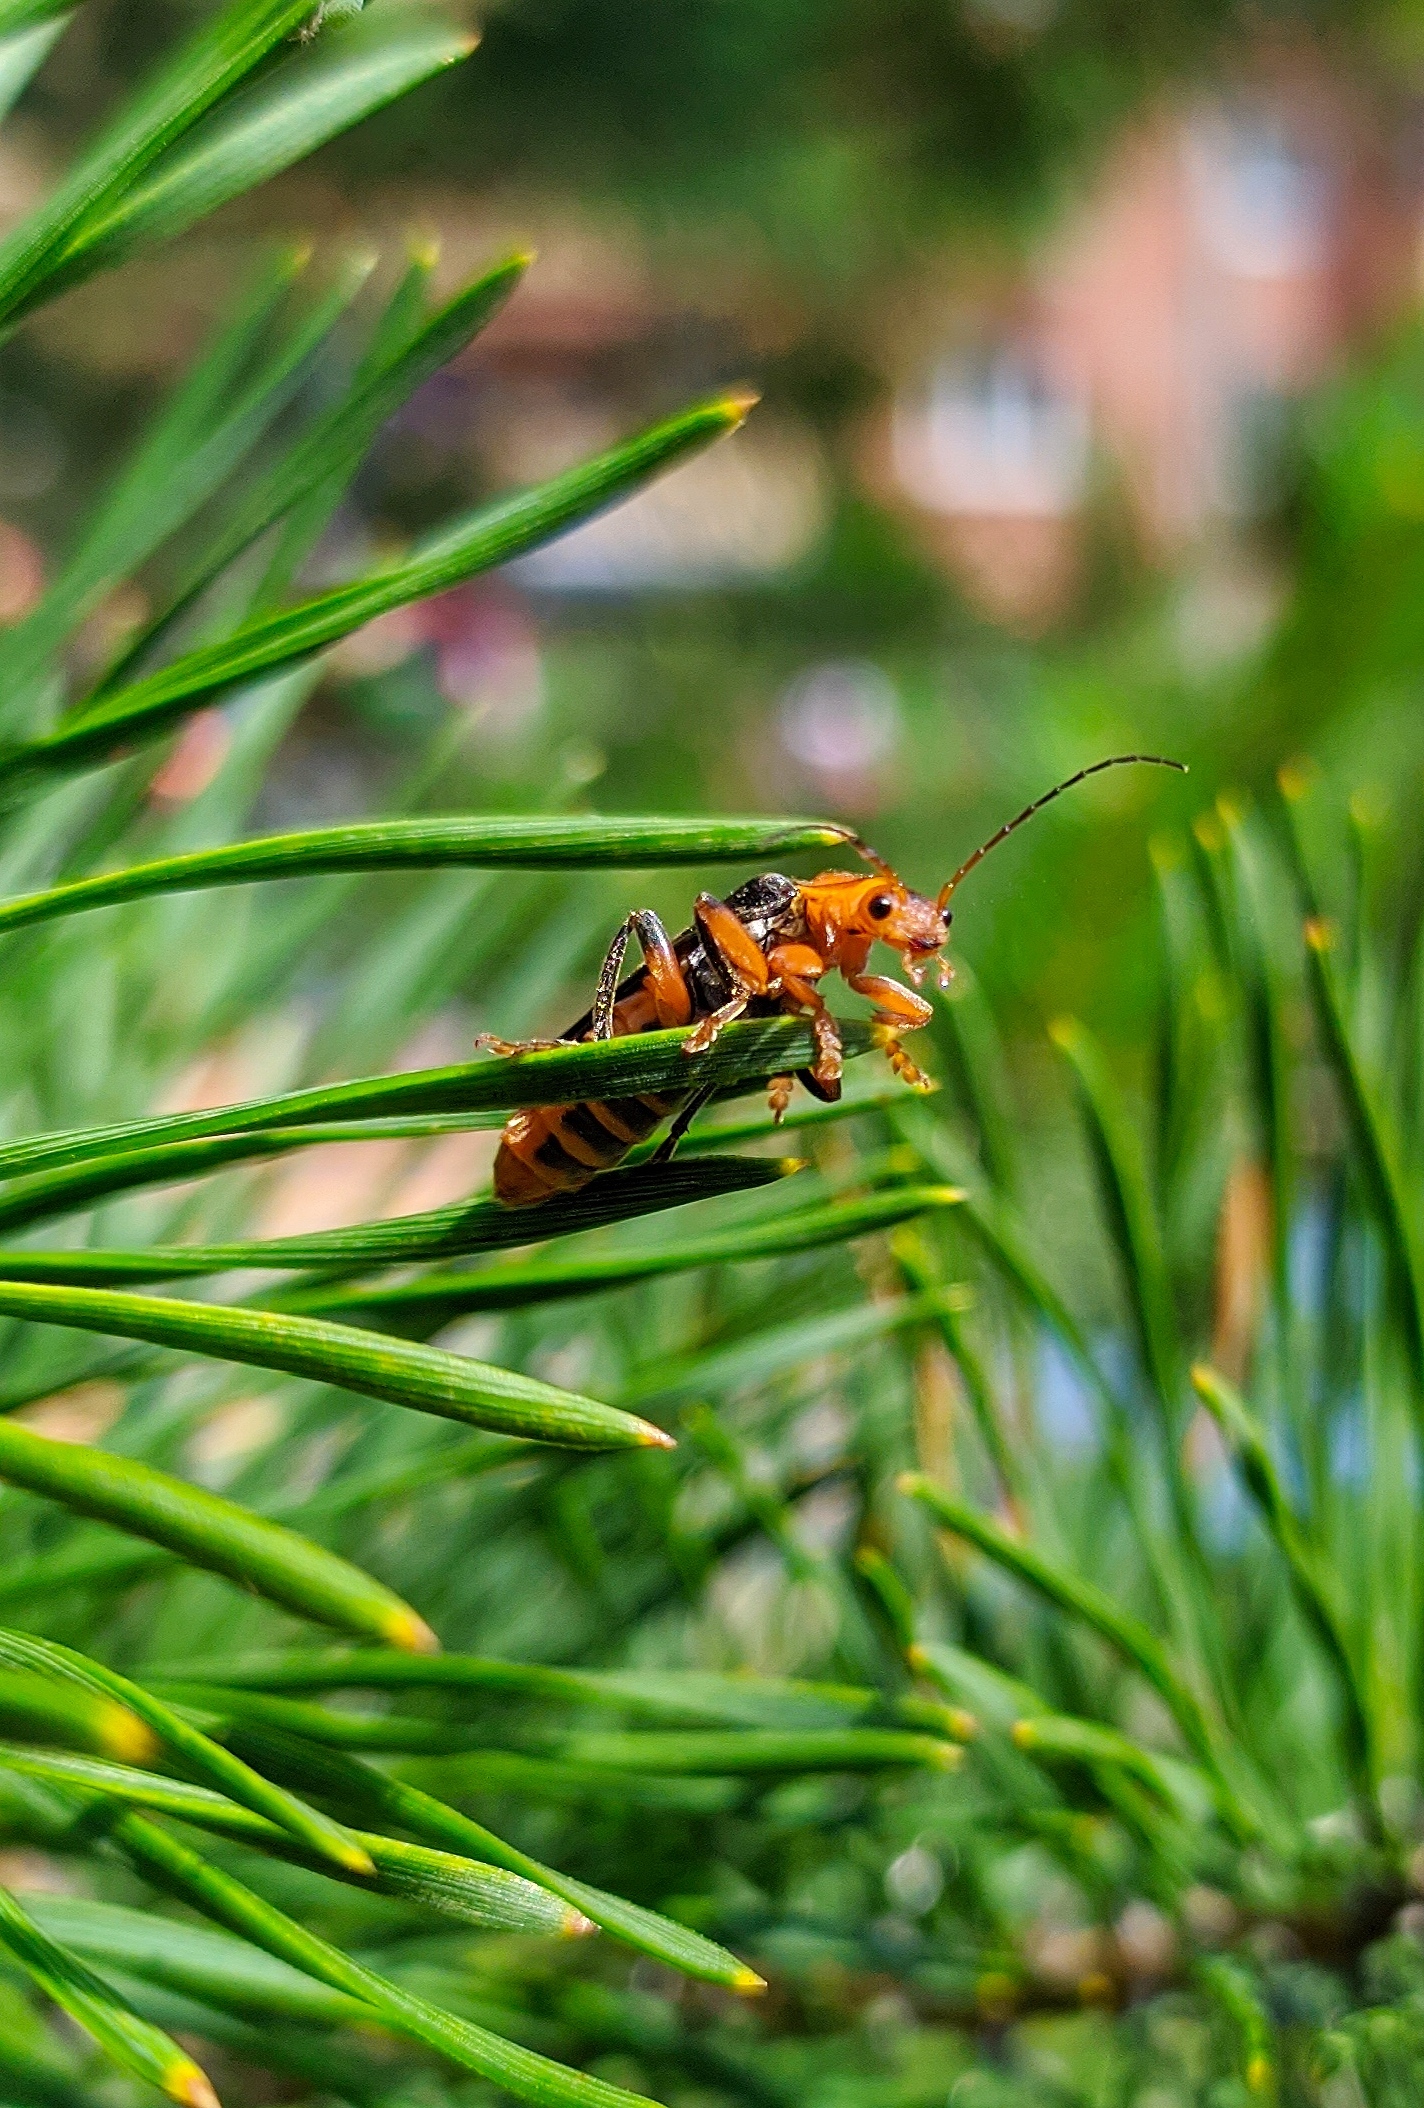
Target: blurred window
x,y
747,509
992,437
1262,201
1255,463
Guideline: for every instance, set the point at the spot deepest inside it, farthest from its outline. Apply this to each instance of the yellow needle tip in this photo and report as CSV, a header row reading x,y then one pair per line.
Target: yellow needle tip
x,y
408,1631
348,1853
127,1737
191,2085
1295,778
738,404
747,1984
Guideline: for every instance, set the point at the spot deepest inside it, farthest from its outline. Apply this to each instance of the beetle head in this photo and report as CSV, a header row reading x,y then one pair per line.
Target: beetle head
x,y
845,912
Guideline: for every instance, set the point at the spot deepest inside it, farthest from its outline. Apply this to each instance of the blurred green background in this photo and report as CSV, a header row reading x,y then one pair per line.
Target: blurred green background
x,y
1087,345
1091,378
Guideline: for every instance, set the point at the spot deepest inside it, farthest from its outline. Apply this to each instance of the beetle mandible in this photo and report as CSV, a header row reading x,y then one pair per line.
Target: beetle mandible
x,y
758,953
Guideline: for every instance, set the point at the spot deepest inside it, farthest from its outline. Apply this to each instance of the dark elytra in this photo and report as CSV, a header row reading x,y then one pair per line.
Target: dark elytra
x,y
767,908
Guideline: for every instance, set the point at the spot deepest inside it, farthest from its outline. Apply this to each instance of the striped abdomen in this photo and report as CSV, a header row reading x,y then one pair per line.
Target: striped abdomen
x,y
557,1148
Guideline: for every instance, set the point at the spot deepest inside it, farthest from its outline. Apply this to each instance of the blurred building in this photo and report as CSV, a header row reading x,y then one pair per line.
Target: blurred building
x,y
1222,263
1144,364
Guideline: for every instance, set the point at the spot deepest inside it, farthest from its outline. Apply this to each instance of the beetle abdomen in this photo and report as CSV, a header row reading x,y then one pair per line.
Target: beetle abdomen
x,y
557,1148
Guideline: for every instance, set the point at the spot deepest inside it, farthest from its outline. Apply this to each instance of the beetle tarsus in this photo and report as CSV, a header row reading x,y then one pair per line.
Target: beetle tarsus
x,y
709,1031
493,1044
887,1038
778,1097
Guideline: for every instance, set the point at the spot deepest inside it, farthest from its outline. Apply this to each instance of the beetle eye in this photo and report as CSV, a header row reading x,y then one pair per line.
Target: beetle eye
x,y
878,908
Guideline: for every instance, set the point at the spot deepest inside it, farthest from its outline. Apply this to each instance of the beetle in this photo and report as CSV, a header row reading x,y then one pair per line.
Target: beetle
x,y
758,953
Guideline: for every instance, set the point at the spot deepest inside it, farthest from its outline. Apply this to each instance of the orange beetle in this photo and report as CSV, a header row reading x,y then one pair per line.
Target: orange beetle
x,y
758,953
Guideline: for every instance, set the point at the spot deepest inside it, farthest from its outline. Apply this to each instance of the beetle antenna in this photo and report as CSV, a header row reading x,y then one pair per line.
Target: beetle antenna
x,y
872,856
1114,761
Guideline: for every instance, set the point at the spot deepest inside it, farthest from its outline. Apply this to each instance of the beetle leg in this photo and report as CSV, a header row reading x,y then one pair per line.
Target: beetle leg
x,y
496,1045
667,1148
897,1010
672,997
830,1054
894,1005
708,1029
742,959
734,944
778,1097
797,967
798,960
888,1041
829,1057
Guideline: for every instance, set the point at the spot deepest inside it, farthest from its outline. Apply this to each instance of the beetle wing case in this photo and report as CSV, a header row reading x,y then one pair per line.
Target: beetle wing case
x,y
767,907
